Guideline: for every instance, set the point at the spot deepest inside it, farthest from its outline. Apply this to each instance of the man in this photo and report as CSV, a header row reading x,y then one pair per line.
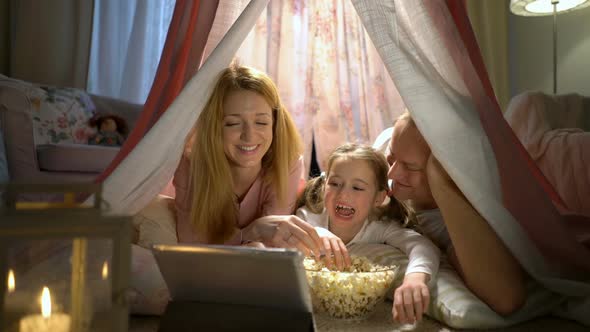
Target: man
x,y
485,264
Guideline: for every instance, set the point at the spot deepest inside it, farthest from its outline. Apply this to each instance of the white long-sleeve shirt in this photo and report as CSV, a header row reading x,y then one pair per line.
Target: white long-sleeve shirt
x,y
423,255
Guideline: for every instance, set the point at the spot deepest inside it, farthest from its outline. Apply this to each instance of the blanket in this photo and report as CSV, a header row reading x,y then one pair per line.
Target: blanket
x,y
555,132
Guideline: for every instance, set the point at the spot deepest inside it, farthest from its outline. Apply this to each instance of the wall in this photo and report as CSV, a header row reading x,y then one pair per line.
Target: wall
x,y
531,53
4,25
489,20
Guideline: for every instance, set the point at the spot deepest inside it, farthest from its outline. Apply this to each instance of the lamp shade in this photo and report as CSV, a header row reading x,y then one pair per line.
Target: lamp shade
x,y
545,7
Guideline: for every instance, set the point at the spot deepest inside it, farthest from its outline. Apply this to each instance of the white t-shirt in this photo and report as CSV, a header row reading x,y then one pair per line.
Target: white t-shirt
x,y
432,225
423,255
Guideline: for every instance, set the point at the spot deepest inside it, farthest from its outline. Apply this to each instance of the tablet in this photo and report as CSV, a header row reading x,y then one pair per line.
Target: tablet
x,y
267,277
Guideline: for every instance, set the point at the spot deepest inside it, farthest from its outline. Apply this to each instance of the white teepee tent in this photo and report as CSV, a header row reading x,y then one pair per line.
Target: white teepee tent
x,y
439,84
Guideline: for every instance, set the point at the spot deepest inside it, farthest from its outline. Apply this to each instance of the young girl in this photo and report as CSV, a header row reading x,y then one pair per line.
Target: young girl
x,y
344,204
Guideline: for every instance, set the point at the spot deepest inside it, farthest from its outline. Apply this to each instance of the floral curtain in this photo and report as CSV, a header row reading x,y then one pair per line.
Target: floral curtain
x,y
329,74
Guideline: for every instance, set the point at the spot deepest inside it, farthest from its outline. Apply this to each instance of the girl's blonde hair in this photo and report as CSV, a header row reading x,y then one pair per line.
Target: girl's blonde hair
x,y
313,194
213,210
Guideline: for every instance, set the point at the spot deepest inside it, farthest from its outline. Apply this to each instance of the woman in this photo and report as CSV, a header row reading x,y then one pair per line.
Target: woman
x,y
240,184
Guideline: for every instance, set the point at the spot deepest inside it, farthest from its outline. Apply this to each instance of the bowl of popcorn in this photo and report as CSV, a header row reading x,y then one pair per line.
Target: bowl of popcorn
x,y
352,293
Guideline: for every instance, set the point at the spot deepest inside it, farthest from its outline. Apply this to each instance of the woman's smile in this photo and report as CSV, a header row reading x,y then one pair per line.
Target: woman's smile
x,y
248,149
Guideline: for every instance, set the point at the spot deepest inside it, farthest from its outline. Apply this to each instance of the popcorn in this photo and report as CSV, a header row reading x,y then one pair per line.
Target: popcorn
x,y
352,293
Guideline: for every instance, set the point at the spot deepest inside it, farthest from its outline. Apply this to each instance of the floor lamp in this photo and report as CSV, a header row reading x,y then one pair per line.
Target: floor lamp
x,y
545,8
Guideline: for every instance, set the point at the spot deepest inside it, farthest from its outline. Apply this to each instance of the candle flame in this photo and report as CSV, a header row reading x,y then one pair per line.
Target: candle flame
x,y
105,271
11,283
45,303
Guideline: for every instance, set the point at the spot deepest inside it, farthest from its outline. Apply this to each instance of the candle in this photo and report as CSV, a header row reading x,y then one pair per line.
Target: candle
x,y
11,283
16,301
105,271
46,322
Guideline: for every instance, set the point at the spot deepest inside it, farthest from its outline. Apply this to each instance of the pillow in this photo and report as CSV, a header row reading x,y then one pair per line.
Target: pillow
x,y
148,293
575,309
453,303
59,115
156,224
382,141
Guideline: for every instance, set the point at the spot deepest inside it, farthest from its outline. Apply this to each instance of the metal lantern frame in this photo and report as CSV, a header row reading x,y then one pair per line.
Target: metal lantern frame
x,y
44,221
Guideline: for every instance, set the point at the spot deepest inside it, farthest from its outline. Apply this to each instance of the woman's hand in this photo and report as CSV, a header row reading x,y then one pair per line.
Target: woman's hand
x,y
335,249
254,244
285,232
411,299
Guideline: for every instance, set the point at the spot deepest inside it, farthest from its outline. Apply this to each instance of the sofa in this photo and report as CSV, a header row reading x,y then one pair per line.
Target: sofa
x,y
46,131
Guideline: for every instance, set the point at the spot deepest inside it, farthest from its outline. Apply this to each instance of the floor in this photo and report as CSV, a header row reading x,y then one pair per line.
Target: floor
x,y
382,322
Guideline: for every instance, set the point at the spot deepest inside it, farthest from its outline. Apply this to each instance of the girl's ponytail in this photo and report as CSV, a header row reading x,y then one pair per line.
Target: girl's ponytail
x,y
313,195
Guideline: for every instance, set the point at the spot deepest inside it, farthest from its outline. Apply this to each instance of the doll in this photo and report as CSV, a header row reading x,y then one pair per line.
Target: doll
x,y
111,130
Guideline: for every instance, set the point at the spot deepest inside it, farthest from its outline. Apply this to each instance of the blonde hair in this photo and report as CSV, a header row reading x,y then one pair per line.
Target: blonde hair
x,y
313,194
213,209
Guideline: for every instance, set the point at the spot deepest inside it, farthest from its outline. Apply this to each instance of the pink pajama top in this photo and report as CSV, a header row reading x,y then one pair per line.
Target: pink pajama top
x,y
260,200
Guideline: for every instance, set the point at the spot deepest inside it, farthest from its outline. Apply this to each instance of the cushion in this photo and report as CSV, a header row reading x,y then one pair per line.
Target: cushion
x,y
67,157
156,224
453,303
60,115
576,309
148,293
382,141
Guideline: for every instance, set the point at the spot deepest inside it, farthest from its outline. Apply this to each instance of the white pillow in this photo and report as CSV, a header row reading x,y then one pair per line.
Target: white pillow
x,y
453,303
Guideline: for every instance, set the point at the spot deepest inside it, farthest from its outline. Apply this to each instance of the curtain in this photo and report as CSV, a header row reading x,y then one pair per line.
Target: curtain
x,y
440,74
49,41
489,21
329,74
227,14
127,40
180,60
431,49
150,164
4,37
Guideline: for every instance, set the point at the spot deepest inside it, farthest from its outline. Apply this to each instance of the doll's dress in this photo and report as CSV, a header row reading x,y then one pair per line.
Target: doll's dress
x,y
106,139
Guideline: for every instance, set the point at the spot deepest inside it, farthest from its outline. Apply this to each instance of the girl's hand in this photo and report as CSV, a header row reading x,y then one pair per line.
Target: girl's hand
x,y
336,252
411,299
284,232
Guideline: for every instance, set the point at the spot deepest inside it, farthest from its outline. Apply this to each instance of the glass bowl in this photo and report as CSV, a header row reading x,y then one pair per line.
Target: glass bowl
x,y
353,294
